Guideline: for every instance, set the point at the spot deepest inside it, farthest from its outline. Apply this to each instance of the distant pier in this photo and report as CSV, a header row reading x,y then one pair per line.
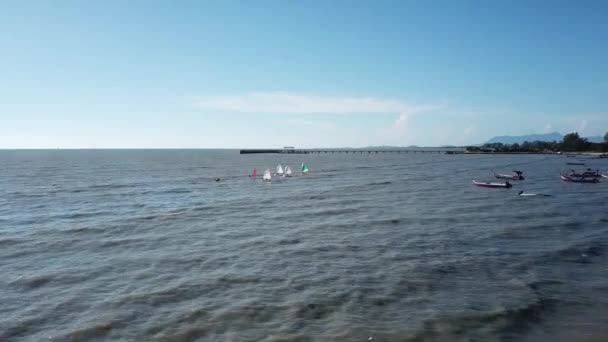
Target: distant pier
x,y
353,151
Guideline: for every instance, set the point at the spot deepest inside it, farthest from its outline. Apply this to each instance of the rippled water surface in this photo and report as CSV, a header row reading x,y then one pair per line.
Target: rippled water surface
x,y
146,246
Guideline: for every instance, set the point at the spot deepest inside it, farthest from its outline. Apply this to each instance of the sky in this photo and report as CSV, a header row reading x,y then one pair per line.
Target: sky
x,y
263,73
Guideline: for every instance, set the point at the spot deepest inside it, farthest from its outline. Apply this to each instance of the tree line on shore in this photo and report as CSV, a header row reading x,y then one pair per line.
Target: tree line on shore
x,y
572,142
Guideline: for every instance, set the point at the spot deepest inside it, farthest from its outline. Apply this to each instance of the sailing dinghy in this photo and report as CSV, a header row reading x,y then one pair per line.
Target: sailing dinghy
x,y
253,174
304,169
280,171
267,176
287,171
504,185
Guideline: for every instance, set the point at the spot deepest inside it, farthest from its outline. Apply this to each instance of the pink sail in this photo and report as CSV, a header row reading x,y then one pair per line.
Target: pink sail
x,y
254,173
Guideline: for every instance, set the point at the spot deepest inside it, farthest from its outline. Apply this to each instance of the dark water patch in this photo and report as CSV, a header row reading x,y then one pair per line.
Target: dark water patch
x,y
93,331
289,241
185,334
83,215
509,323
319,309
292,337
334,212
92,229
20,194
129,242
203,208
234,280
160,216
11,242
172,191
31,283
22,328
379,183
583,253
247,314
410,285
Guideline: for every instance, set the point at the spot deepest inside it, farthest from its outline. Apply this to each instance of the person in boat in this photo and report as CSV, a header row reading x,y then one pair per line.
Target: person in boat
x,y
508,184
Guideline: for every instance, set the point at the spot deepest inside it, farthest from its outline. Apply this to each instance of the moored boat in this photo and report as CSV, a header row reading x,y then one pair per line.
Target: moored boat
x,y
522,193
586,174
518,175
579,179
504,185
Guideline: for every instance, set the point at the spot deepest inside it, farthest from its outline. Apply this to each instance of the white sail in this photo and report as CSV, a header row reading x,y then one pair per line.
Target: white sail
x,y
287,171
279,170
267,177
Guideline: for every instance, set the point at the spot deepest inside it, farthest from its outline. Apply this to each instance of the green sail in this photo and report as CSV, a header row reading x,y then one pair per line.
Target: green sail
x,y
304,168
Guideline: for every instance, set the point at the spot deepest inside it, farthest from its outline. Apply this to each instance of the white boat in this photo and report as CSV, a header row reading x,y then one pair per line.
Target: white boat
x,y
522,193
504,185
267,176
280,170
287,171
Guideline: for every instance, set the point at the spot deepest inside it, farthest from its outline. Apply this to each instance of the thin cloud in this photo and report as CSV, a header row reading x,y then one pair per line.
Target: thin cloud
x,y
294,103
316,125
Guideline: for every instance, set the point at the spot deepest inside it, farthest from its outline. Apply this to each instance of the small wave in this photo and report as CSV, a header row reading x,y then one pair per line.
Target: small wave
x,y
176,191
230,280
174,294
289,241
379,183
111,186
320,309
32,283
331,212
10,242
161,215
120,242
95,330
505,322
80,215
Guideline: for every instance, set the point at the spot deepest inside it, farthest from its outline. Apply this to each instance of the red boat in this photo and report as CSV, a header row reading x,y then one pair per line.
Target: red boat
x,y
504,185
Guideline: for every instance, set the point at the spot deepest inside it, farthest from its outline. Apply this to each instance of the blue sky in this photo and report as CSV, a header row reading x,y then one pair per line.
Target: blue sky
x,y
140,74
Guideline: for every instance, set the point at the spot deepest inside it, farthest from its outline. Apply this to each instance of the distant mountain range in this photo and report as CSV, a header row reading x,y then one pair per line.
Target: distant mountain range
x,y
519,139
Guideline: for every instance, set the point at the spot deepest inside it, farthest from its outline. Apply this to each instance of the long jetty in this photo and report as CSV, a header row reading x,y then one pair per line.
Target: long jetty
x,y
354,151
